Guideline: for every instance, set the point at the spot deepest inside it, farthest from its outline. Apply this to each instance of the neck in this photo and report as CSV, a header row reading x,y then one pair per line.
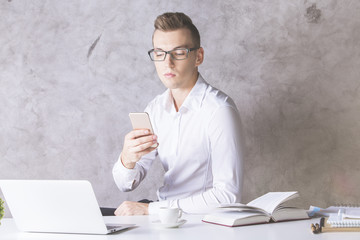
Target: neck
x,y
179,95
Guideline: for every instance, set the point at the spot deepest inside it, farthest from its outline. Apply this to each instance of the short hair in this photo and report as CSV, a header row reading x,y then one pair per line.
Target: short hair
x,y
171,21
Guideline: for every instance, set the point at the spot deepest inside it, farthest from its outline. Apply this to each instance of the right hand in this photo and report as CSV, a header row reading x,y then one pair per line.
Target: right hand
x,y
137,143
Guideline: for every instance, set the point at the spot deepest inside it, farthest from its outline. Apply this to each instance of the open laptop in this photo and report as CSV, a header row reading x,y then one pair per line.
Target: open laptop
x,y
55,206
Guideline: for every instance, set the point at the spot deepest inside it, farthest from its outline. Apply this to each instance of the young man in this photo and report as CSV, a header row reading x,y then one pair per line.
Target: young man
x,y
197,130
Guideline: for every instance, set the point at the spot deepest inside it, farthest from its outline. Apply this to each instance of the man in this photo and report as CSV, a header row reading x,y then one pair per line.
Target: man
x,y
197,130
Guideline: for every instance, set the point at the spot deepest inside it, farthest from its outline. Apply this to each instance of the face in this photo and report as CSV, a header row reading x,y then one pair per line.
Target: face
x,y
177,74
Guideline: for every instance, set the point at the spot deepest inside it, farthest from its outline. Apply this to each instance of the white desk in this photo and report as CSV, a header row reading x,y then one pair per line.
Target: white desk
x,y
193,229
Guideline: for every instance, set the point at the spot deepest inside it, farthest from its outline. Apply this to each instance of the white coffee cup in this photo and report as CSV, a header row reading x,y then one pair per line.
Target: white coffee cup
x,y
169,215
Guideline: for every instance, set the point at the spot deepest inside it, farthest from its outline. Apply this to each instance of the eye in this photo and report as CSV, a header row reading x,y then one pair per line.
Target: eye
x,y
180,52
159,53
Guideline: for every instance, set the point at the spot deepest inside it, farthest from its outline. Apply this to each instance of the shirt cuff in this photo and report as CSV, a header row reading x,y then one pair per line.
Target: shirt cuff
x,y
125,176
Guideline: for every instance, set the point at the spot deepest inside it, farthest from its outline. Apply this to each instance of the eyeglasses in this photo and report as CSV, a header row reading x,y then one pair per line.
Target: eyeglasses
x,y
176,54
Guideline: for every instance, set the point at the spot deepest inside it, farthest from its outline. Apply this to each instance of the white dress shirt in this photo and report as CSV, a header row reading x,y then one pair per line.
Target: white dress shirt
x,y
200,148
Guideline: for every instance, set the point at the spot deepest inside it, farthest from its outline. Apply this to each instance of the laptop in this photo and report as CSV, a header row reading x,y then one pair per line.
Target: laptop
x,y
56,206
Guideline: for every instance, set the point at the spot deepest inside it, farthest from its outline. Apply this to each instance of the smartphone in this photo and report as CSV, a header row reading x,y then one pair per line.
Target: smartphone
x,y
141,121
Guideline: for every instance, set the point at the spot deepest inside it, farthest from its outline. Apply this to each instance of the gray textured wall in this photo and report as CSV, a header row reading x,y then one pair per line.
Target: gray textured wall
x,y
70,71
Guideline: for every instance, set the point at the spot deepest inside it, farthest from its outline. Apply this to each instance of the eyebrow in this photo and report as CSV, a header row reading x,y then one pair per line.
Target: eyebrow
x,y
181,46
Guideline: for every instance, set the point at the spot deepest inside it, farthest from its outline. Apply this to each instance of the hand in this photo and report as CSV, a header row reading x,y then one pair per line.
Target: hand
x,y
132,208
137,143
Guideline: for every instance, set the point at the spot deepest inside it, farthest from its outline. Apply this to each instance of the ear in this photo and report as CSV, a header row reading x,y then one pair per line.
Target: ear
x,y
199,56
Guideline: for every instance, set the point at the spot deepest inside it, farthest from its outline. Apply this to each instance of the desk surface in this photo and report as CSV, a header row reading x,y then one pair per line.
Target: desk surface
x,y
192,229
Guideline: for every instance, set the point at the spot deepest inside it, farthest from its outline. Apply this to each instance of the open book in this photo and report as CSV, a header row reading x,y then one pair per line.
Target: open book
x,y
266,208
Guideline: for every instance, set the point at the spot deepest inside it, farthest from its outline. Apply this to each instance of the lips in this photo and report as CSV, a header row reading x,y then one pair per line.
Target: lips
x,y
169,75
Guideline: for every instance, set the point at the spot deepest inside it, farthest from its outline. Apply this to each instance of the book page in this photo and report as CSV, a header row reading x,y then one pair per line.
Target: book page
x,y
271,200
239,207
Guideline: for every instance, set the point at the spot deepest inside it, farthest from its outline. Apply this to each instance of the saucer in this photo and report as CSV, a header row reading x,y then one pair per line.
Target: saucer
x,y
169,225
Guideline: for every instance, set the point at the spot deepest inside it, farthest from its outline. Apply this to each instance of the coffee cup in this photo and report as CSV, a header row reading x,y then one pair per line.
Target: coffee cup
x,y
169,215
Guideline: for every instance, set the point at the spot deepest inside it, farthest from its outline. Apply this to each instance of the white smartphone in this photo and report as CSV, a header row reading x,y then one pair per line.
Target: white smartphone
x,y
141,121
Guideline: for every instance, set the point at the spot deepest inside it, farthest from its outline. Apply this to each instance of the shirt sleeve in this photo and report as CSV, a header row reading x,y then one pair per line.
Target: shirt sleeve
x,y
128,179
226,148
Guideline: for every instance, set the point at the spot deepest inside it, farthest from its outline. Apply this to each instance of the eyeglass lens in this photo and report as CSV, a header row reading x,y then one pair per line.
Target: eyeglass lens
x,y
178,54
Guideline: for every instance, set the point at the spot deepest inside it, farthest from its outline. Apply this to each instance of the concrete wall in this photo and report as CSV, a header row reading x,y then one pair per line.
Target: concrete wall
x,y
71,71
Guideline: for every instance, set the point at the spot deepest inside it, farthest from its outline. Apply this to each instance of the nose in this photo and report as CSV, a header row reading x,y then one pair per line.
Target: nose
x,y
169,61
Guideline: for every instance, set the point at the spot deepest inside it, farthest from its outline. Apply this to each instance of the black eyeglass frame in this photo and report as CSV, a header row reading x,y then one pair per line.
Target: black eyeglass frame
x,y
169,52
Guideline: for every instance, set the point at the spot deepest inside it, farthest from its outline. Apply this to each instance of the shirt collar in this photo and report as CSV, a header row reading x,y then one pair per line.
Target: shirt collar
x,y
193,101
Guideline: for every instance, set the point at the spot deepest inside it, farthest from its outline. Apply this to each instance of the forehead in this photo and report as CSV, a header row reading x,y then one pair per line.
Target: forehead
x,y
171,39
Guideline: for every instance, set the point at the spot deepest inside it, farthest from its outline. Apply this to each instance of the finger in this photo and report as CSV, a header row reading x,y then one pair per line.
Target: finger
x,y
144,148
146,151
136,153
118,211
137,133
143,140
150,149
121,210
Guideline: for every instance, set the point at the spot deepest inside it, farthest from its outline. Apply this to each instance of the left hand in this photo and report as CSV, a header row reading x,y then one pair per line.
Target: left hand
x,y
128,208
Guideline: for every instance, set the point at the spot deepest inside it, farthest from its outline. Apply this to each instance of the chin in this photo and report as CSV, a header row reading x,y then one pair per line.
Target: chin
x,y
169,83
